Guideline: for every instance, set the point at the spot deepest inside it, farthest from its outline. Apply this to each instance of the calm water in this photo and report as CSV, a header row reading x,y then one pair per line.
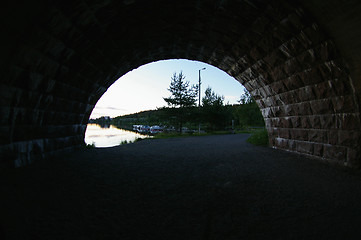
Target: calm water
x,y
109,136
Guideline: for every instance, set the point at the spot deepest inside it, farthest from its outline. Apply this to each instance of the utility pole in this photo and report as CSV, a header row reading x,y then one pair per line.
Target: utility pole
x,y
199,100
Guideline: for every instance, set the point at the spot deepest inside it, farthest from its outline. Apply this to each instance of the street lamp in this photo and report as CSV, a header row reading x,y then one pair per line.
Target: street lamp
x,y
199,100
199,86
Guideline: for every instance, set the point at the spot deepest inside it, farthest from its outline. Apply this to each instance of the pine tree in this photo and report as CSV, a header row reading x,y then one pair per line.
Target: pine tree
x,y
182,95
182,98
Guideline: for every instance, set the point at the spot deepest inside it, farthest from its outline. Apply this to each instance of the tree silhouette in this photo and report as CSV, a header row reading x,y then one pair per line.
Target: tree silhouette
x,y
214,114
182,98
182,95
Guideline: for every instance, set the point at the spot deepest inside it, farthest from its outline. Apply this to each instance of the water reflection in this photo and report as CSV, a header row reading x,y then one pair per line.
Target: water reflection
x,y
109,136
103,125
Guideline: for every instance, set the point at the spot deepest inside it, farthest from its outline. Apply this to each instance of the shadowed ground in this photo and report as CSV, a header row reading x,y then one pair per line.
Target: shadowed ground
x,y
212,187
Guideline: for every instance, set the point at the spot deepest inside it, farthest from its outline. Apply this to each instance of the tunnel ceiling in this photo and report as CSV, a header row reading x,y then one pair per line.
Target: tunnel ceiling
x,y
301,63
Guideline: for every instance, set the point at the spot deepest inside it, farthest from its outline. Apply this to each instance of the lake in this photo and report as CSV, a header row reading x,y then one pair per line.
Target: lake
x,y
109,136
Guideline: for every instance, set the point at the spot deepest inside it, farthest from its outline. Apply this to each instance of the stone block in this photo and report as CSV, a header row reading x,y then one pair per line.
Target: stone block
x,y
305,122
348,121
281,143
306,94
272,140
284,133
318,150
319,136
293,82
268,123
291,98
306,58
296,122
343,104
279,87
277,74
353,157
323,90
323,106
299,134
291,67
349,138
292,145
289,110
261,104
333,152
256,53
275,58
332,136
277,111
315,121
267,113
304,147
341,86
304,108
286,122
328,121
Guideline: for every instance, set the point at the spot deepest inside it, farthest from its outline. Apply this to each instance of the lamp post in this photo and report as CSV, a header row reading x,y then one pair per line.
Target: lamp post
x,y
199,100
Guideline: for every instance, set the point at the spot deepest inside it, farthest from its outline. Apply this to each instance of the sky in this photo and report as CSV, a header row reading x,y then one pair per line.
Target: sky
x,y
144,88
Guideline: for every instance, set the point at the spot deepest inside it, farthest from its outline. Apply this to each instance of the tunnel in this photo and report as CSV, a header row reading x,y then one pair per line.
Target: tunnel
x,y
301,61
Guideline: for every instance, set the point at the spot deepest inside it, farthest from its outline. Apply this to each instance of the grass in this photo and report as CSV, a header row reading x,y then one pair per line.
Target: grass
x,y
195,134
170,135
92,145
127,142
124,142
259,138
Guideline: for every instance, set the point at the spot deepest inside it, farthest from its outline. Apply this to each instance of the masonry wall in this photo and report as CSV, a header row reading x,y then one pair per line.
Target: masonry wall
x,y
58,59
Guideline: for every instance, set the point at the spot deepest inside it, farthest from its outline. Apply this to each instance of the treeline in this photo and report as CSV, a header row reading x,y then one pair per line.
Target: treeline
x,y
224,117
183,114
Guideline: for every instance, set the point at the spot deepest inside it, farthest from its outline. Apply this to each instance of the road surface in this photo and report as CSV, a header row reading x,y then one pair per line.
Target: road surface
x,y
211,187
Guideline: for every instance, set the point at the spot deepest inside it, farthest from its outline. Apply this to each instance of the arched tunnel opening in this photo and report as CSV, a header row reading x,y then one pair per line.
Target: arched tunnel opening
x,y
298,61
134,105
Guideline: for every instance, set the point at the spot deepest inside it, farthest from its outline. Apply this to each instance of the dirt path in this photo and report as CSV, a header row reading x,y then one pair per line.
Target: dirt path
x,y
213,187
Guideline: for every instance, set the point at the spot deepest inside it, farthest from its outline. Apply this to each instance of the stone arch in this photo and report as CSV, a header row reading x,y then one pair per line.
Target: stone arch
x,y
59,59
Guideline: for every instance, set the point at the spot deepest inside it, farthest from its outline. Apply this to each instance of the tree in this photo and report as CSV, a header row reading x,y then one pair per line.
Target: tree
x,y
214,113
182,98
246,98
211,98
182,95
248,112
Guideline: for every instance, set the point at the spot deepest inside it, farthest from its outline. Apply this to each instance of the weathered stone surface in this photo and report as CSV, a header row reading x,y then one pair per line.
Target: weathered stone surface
x,y
299,134
318,150
317,136
333,152
304,147
305,122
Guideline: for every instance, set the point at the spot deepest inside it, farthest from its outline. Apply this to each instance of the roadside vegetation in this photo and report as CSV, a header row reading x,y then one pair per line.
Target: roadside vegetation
x,y
259,138
92,145
127,142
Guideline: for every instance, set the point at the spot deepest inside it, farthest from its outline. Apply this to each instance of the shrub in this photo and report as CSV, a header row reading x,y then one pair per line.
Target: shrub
x,y
90,145
259,138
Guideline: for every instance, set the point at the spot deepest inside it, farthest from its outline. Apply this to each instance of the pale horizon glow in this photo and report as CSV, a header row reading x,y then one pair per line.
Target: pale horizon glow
x,y
144,88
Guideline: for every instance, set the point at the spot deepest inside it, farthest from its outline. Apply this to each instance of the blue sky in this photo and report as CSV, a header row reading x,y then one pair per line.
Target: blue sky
x,y
144,87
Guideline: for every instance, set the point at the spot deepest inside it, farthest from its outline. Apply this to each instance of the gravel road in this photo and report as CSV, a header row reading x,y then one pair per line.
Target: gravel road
x,y
211,187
